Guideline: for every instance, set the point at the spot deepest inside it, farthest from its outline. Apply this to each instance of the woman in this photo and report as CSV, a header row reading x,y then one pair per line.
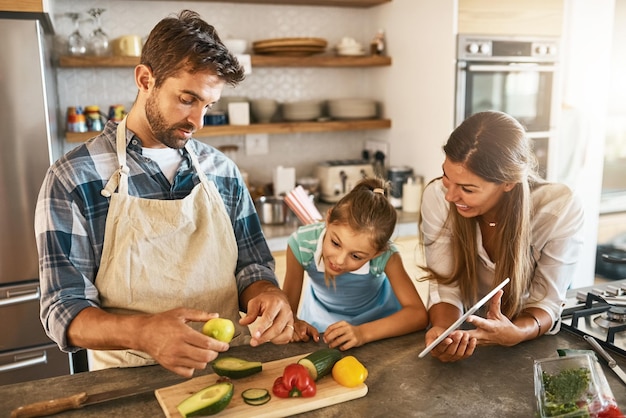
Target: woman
x,y
490,217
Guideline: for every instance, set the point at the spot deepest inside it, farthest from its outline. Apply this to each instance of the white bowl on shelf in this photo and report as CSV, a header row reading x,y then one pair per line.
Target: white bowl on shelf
x,y
263,110
349,47
236,46
302,110
352,108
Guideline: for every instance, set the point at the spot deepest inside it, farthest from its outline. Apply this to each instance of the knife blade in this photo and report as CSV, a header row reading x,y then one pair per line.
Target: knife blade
x,y
611,362
80,400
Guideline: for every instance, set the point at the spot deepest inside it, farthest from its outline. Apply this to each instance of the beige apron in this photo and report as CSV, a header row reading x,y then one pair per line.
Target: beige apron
x,y
164,254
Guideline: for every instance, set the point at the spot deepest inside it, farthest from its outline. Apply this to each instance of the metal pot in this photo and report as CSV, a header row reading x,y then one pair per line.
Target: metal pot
x,y
272,210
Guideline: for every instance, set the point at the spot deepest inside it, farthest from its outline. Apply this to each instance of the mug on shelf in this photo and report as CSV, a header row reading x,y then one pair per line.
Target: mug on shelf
x,y
127,45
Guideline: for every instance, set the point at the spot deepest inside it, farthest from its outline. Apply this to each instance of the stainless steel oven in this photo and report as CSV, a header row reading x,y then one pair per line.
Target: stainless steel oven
x,y
516,75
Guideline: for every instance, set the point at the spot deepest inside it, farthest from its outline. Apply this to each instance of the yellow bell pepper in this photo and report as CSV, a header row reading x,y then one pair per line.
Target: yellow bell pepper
x,y
349,372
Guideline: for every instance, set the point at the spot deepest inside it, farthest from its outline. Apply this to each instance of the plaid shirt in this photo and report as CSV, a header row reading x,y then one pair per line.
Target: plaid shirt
x,y
71,215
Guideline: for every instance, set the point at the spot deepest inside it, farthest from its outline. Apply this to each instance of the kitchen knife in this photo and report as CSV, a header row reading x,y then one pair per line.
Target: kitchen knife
x,y
79,400
611,362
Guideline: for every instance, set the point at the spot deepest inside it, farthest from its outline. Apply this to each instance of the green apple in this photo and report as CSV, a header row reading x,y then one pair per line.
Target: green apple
x,y
221,329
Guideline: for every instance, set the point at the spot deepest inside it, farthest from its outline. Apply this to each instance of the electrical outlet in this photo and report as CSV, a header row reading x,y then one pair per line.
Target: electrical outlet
x,y
374,146
257,144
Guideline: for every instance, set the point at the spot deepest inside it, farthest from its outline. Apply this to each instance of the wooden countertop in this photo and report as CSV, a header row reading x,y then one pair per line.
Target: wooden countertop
x,y
495,382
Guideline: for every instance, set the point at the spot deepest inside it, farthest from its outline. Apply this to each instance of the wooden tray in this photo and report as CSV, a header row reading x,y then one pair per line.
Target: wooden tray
x,y
289,51
279,49
319,42
329,392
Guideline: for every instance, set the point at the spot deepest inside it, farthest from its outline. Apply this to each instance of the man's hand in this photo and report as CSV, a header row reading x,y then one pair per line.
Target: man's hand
x,y
165,336
176,346
268,306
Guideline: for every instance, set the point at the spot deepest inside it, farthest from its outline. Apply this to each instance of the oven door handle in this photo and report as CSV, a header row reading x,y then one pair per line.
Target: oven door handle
x,y
13,300
511,68
21,364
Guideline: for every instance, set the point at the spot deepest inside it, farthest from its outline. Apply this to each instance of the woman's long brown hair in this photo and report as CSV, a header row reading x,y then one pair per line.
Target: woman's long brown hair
x,y
494,146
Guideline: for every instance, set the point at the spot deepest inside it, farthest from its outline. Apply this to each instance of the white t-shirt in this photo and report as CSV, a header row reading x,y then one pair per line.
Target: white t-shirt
x,y
167,158
557,238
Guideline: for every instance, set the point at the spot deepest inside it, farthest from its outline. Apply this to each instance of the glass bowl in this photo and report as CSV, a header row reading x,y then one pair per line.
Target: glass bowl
x,y
567,387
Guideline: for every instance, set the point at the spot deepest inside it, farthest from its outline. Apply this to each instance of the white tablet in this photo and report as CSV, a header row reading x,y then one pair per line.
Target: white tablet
x,y
462,319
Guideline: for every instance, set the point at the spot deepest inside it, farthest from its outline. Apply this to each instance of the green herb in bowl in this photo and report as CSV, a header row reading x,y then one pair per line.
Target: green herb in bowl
x,y
564,391
566,387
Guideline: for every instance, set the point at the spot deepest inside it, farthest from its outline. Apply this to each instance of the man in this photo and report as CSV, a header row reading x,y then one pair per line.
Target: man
x,y
144,233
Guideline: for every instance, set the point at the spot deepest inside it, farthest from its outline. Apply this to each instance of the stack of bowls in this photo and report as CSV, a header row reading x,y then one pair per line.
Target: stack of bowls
x,y
263,110
349,47
352,108
302,111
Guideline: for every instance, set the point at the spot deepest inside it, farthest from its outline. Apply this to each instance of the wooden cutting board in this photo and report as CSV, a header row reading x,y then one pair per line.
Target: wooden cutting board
x,y
328,393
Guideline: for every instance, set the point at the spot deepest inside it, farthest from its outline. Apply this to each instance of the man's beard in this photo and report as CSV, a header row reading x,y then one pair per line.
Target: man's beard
x,y
167,135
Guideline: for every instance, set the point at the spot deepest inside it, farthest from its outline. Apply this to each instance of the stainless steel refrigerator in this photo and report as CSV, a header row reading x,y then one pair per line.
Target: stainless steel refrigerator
x,y
29,143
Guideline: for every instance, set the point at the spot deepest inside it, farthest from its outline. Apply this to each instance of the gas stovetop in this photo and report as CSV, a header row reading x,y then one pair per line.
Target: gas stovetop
x,y
599,311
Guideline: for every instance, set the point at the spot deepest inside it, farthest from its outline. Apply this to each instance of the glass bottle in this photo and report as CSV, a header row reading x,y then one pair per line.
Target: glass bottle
x,y
98,40
76,42
377,46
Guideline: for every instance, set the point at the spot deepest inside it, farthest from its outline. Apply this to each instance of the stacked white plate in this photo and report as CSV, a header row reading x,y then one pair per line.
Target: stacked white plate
x,y
352,108
349,47
302,111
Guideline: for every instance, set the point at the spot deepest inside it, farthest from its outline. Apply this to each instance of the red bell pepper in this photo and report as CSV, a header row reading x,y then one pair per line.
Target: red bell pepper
x,y
295,382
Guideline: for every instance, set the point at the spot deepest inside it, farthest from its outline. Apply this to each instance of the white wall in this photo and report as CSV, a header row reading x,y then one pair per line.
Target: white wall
x,y
418,88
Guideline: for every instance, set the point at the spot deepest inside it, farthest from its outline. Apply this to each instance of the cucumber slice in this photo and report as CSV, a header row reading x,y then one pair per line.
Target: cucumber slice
x,y
208,401
259,402
255,396
236,368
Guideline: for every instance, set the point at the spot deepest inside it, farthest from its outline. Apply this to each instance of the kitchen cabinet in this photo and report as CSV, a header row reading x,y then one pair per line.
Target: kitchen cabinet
x,y
29,6
511,17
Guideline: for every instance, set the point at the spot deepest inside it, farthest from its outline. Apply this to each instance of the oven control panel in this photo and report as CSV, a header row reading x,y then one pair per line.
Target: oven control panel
x,y
490,48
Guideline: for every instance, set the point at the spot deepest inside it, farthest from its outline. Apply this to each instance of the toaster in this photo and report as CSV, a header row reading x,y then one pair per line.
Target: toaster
x,y
338,177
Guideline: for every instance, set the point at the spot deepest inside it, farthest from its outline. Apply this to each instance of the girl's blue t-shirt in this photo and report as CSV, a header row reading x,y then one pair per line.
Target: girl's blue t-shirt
x,y
357,297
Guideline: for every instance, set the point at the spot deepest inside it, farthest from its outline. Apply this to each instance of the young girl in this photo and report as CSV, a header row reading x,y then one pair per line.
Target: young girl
x,y
359,290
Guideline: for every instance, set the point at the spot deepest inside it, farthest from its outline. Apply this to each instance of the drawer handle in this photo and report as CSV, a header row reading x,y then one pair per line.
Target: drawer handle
x,y
14,300
42,359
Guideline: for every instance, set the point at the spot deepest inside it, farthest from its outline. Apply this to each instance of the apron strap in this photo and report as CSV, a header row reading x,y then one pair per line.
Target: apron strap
x,y
196,163
120,176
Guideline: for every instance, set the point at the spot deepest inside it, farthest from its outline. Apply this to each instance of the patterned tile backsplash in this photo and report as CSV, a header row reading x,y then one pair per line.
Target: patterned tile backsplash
x,y
107,86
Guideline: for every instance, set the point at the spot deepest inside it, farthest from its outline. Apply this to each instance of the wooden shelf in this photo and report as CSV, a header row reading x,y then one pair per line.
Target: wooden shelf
x,y
324,60
334,3
88,61
270,128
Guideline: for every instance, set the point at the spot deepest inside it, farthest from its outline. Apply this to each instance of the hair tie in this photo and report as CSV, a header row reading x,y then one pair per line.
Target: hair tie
x,y
379,190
